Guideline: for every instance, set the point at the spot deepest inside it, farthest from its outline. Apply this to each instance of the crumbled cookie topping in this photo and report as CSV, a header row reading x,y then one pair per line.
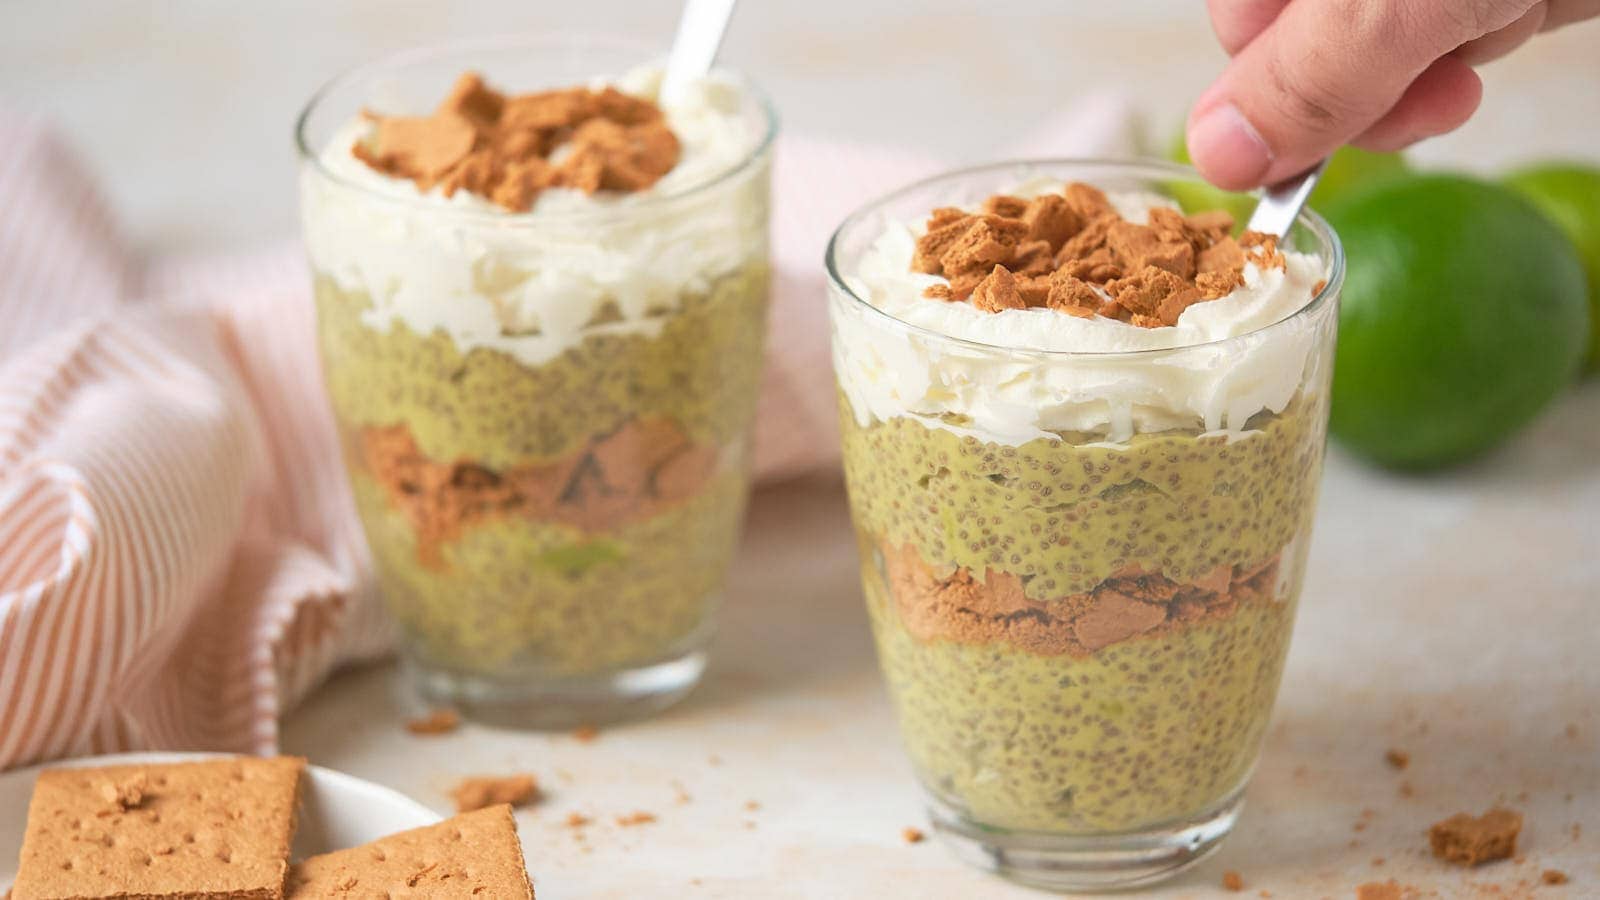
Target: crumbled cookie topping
x,y
1073,253
503,148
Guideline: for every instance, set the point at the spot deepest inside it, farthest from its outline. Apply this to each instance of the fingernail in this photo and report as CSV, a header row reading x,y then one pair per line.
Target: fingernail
x,y
1228,149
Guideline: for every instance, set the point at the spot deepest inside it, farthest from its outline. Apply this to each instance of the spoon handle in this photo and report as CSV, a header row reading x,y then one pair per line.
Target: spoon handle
x,y
1281,203
694,48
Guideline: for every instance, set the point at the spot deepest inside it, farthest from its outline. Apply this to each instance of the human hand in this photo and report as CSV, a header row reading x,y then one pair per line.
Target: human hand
x,y
1310,75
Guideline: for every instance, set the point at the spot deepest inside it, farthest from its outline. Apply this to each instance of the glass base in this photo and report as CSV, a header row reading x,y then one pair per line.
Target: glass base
x,y
1055,862
561,703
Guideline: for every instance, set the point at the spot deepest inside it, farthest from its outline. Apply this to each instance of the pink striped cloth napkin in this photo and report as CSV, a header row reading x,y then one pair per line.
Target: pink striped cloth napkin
x,y
180,560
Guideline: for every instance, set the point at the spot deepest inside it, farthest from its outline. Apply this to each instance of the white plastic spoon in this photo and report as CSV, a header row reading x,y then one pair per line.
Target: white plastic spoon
x,y
695,46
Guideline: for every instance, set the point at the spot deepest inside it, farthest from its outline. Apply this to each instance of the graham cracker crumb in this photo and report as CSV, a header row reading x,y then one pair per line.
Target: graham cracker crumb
x,y
1072,295
1553,876
1087,201
1225,255
501,147
1406,790
1052,220
1033,258
585,733
1141,246
943,231
490,790
986,241
1262,249
1213,224
751,805
911,835
126,792
1005,206
635,818
439,721
1382,890
1399,759
1232,880
1090,238
1469,840
577,820
997,291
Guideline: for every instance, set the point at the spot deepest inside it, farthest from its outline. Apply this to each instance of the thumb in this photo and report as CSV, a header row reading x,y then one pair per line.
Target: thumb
x,y
1326,71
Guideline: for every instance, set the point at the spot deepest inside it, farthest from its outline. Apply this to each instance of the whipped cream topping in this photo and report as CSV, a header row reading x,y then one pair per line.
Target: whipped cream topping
x,y
1016,394
534,284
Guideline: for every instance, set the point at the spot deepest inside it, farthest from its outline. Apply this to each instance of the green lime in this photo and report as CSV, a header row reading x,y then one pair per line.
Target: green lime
x,y
1569,193
1352,169
1464,313
1349,170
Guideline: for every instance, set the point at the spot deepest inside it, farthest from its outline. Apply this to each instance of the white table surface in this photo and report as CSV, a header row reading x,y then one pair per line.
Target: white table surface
x,y
1455,617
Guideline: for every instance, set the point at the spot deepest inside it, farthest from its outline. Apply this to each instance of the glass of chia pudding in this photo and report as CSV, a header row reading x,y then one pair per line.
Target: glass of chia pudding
x,y
541,293
1083,432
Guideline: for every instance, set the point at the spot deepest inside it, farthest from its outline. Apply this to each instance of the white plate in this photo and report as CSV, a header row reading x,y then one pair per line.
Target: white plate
x,y
336,810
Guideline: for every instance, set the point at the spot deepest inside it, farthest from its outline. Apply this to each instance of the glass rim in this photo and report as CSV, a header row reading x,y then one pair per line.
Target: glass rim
x,y
401,59
1310,219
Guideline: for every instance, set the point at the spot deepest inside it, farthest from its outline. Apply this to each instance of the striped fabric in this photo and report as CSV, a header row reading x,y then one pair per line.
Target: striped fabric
x,y
180,560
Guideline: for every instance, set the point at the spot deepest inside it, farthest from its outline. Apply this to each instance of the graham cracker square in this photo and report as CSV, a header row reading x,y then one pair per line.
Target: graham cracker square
x,y
474,855
213,830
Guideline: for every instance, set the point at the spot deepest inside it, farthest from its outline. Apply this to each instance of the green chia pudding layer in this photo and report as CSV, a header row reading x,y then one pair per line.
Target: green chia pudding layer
x,y
560,519
1133,689
700,370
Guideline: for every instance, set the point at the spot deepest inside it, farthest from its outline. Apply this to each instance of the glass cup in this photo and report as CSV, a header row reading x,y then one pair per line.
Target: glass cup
x,y
1082,628
544,416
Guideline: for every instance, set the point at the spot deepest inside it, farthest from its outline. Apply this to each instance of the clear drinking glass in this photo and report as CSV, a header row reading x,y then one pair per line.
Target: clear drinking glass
x,y
544,415
1082,631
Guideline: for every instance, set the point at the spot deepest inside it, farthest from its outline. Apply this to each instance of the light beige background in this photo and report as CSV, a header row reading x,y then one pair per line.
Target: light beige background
x,y
1454,616
186,105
